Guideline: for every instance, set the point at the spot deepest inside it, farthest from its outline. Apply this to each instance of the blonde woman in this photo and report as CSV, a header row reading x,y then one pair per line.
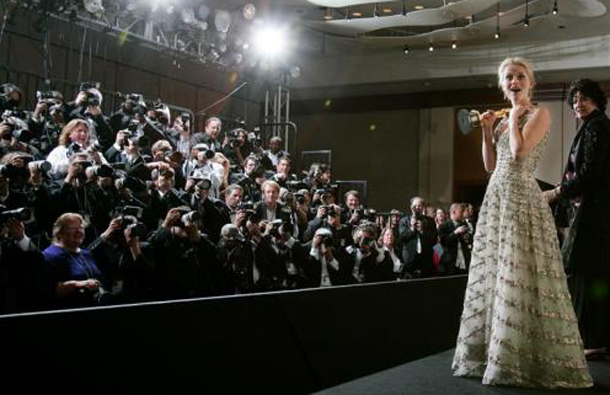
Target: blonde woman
x,y
518,326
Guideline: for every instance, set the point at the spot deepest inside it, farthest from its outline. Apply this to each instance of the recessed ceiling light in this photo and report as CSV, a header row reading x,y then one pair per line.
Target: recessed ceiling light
x,y
357,14
387,10
419,7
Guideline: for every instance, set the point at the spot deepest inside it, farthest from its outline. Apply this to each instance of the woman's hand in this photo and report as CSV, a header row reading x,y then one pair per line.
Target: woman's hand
x,y
488,119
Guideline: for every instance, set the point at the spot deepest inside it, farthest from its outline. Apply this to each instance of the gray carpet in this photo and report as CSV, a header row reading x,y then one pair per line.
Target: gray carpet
x,y
432,376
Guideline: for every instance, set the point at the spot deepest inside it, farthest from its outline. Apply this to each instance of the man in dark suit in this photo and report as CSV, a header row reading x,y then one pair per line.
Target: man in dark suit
x,y
417,235
456,241
270,209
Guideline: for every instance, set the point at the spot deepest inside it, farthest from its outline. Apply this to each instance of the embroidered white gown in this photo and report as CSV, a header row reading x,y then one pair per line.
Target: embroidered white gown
x,y
518,326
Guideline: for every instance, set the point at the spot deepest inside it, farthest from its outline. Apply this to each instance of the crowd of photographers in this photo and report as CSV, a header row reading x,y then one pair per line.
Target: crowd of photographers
x,y
136,206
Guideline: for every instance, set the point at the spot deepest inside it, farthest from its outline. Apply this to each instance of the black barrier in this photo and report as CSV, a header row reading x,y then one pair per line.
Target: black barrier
x,y
286,342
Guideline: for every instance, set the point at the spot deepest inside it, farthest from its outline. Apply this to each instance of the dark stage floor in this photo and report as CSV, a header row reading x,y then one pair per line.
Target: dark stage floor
x,y
432,376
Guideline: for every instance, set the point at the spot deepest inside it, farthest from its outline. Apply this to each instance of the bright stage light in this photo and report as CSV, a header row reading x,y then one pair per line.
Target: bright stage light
x,y
271,42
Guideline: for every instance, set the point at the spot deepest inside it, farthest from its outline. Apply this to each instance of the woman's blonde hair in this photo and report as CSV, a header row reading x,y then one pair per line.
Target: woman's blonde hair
x,y
64,138
62,223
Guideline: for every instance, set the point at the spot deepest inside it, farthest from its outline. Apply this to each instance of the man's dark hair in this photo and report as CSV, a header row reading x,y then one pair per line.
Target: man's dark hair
x,y
588,88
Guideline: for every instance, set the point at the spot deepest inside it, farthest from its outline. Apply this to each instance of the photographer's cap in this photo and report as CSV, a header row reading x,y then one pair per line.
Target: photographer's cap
x,y
323,232
201,147
230,231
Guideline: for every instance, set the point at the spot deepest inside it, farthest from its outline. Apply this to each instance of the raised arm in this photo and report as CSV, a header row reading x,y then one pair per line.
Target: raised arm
x,y
488,119
522,142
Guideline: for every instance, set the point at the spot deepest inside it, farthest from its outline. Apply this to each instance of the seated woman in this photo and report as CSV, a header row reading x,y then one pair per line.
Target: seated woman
x,y
73,272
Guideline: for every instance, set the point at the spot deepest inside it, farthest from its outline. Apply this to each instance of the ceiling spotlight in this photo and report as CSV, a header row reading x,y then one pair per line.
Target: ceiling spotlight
x,y
555,8
419,7
453,45
497,34
526,21
357,14
387,10
405,49
249,11
328,14
431,48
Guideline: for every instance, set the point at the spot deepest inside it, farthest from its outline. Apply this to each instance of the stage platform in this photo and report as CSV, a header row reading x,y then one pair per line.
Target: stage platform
x,y
432,376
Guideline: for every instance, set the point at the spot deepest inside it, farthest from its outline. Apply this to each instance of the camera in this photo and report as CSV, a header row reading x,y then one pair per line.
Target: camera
x,y
368,242
21,214
137,228
248,208
330,210
300,198
233,136
327,240
274,228
85,86
42,165
133,126
12,172
188,217
50,98
103,170
255,139
204,184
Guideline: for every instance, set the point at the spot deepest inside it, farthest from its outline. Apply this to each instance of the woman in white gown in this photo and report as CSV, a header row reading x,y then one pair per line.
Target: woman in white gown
x,y
518,326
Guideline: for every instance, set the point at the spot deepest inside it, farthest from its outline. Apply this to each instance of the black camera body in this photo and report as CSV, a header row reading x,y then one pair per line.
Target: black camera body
x,y
21,214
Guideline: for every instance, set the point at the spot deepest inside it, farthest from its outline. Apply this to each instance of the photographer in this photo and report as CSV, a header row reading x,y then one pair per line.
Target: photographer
x,y
185,259
87,106
270,209
132,108
324,266
127,150
209,136
78,193
22,282
10,97
128,272
456,240
212,216
202,165
370,263
283,176
279,257
251,180
318,177
25,183
233,198
236,255
236,147
275,152
328,216
14,135
73,272
74,138
162,197
353,211
47,120
417,235
182,135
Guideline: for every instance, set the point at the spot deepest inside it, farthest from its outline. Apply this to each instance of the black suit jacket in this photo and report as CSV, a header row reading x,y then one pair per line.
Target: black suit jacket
x,y
450,242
